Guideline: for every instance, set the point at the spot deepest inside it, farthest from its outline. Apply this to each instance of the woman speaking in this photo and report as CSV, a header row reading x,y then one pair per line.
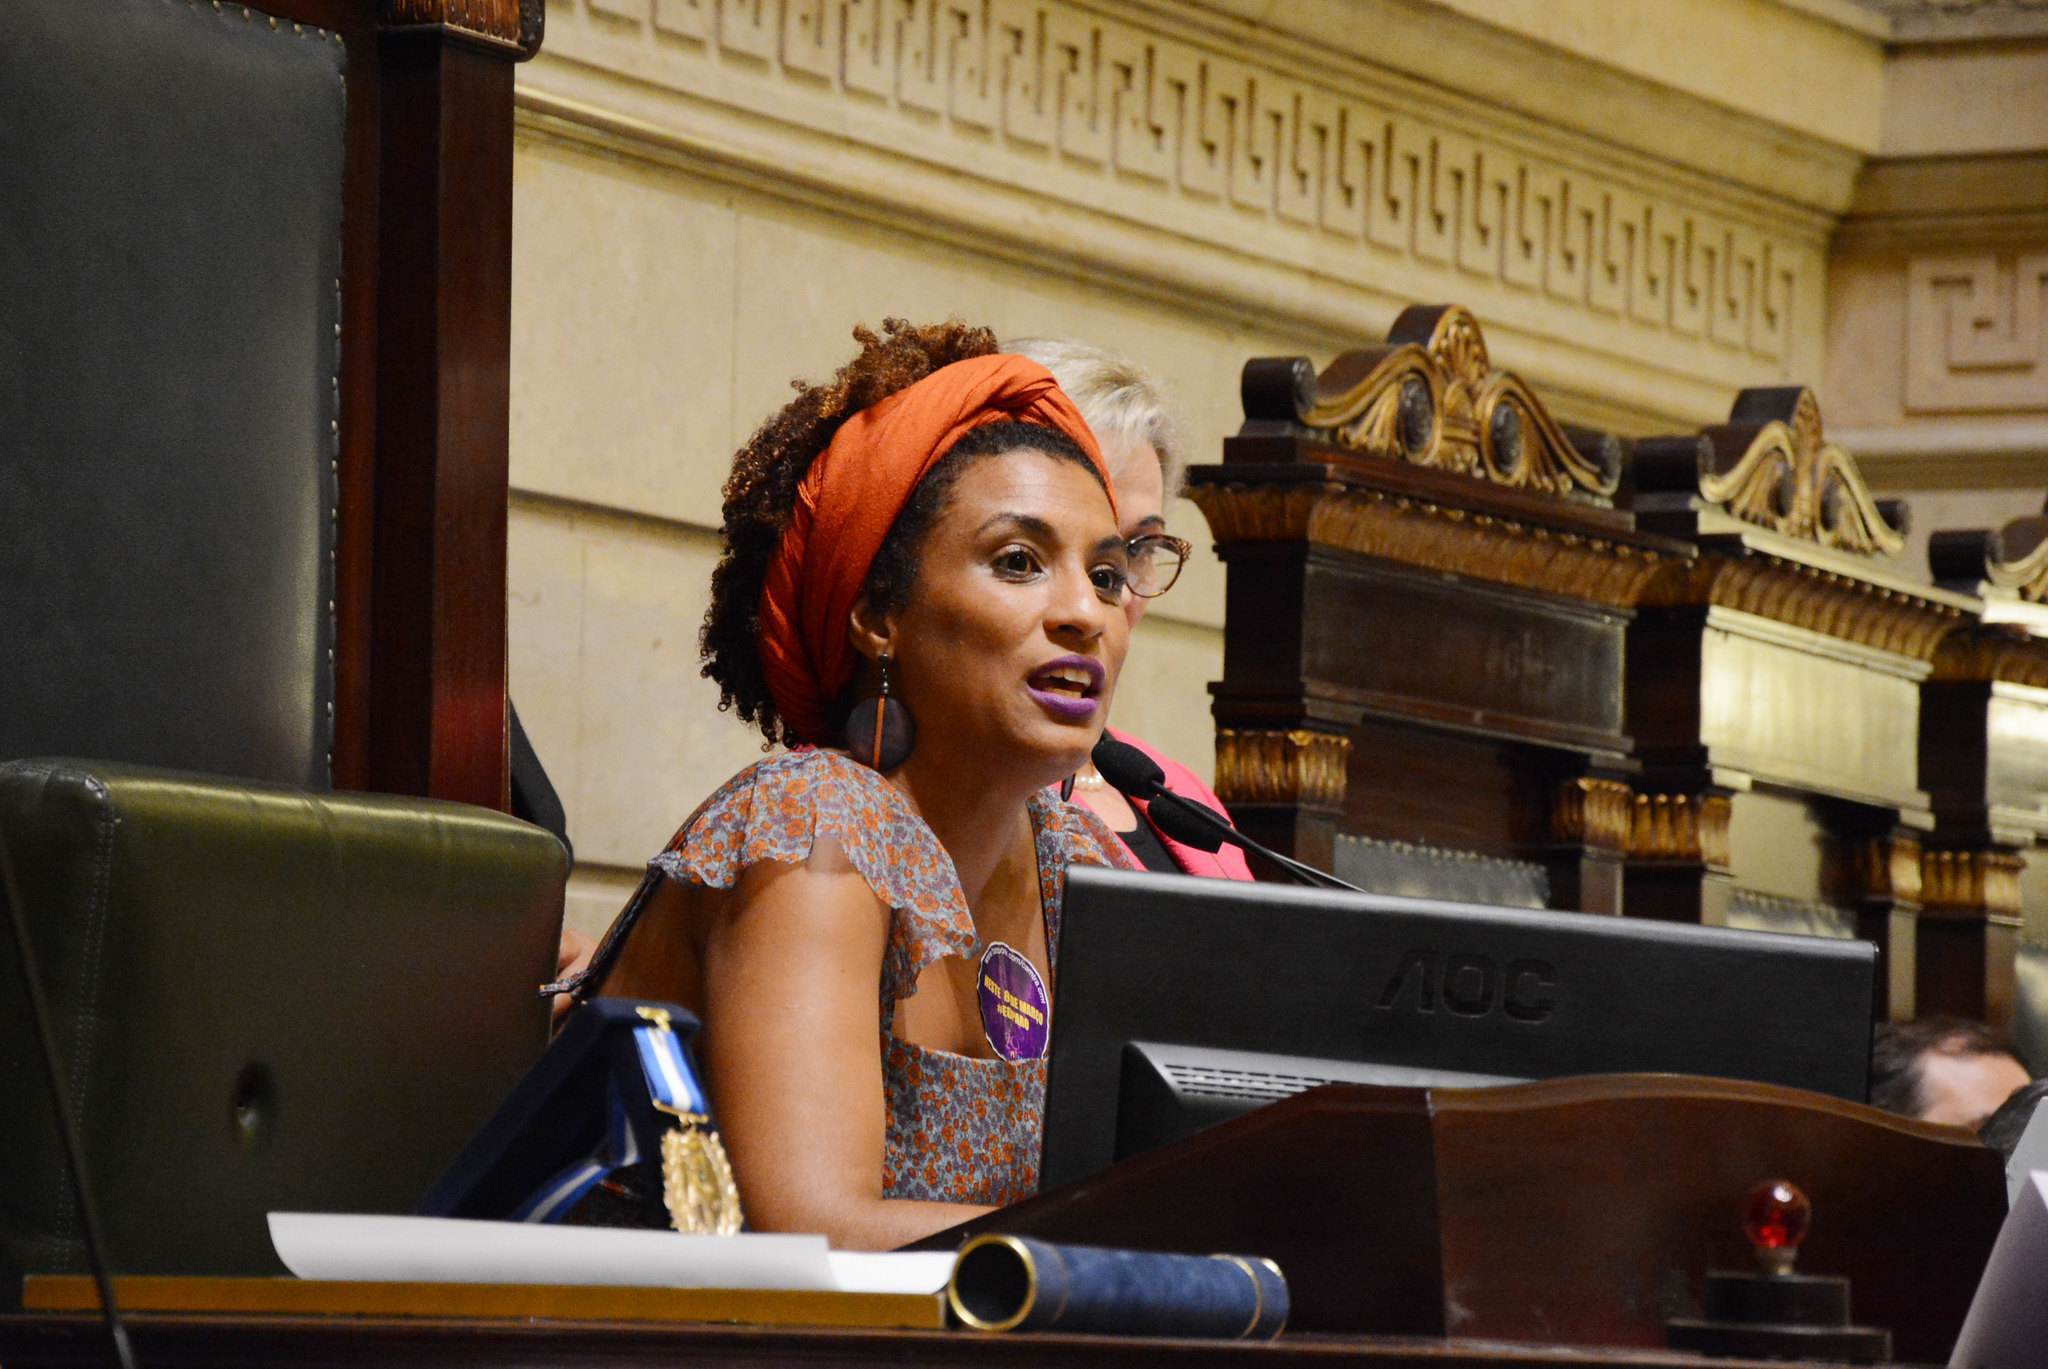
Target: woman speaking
x,y
922,595
1126,411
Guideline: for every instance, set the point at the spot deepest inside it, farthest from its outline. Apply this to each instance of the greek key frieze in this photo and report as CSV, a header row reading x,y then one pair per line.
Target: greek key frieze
x,y
1074,99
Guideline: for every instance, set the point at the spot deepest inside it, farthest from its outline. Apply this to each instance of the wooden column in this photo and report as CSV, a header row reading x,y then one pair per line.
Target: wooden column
x,y
436,701
425,352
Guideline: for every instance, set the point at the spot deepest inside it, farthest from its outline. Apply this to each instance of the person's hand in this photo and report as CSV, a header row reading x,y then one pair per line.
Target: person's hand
x,y
571,956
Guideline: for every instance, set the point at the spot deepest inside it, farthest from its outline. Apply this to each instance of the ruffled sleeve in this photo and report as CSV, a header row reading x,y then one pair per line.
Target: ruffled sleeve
x,y
777,809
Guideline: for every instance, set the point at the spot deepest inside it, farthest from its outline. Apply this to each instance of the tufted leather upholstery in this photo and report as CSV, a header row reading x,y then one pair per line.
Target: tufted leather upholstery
x,y
171,223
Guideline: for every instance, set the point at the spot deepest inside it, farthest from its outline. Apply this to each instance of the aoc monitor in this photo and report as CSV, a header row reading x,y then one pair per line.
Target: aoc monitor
x,y
1184,1002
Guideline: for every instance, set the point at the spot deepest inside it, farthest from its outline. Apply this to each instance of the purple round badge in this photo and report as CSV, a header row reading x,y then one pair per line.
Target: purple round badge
x,y
1014,1004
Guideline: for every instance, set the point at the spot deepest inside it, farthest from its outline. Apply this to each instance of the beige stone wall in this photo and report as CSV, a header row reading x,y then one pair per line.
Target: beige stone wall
x,y
709,194
657,318
1937,369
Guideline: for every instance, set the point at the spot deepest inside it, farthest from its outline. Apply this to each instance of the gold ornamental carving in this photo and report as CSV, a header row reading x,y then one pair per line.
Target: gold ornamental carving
x,y
1594,812
1810,597
1986,882
1889,868
2020,560
1773,466
1992,652
1298,766
1680,827
1609,814
1432,397
1433,536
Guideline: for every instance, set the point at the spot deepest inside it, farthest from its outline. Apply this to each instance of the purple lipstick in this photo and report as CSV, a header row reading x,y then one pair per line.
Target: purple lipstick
x,y
1068,688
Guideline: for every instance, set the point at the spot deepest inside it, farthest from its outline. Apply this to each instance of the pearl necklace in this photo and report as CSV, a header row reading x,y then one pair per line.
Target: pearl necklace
x,y
1088,777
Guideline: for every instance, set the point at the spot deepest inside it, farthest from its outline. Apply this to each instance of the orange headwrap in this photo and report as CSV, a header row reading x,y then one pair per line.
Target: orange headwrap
x,y
850,499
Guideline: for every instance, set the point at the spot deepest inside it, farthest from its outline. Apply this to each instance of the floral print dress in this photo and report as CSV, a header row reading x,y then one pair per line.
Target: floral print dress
x,y
960,1129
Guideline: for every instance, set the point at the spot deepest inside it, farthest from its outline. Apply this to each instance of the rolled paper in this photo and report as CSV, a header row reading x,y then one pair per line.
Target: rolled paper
x,y
1015,1283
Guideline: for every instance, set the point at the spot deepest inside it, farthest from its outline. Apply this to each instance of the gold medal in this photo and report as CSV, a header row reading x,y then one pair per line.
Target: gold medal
x,y
696,1180
696,1176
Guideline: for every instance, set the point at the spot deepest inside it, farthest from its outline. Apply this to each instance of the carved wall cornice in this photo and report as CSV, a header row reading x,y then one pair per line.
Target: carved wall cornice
x,y
1962,21
1832,603
1298,766
1225,171
513,24
1432,536
1432,397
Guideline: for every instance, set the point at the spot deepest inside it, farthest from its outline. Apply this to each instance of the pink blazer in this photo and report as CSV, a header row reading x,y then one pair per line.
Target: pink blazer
x,y
1226,863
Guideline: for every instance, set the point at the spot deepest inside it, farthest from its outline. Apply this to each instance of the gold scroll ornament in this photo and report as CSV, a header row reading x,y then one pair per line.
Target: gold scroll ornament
x,y
1432,397
1786,476
2023,564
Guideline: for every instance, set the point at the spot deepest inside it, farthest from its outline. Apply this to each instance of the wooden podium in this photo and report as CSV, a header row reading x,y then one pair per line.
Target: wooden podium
x,y
1577,1211
1555,1224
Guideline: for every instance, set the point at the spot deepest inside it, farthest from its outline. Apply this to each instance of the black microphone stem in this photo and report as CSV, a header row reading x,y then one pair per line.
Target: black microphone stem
x,y
1136,775
74,1153
1208,817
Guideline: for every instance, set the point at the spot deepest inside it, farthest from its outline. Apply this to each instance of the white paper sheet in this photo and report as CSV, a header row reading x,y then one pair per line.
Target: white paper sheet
x,y
2008,1323
910,1271
321,1245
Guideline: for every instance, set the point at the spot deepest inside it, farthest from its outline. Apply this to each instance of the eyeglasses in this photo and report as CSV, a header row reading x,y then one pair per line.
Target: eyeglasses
x,y
1156,560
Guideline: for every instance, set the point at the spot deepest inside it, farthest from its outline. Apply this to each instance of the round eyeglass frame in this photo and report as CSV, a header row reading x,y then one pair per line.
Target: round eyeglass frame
x,y
1179,546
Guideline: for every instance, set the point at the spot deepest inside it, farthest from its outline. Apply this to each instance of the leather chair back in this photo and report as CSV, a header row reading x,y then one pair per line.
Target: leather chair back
x,y
265,999
170,266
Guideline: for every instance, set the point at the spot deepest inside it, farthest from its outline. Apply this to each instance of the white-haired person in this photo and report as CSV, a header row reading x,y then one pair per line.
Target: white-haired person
x,y
1125,408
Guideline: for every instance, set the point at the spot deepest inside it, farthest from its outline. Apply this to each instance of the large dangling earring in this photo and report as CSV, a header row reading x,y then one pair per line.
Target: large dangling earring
x,y
1067,789
880,731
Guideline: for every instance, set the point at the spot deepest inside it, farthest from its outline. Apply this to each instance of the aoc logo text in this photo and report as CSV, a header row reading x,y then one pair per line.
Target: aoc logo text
x,y
1471,985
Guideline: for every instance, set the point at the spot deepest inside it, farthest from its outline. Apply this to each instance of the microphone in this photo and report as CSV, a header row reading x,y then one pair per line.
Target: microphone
x,y
1136,775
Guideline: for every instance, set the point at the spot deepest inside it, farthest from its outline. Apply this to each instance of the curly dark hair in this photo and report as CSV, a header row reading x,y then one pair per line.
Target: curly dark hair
x,y
761,491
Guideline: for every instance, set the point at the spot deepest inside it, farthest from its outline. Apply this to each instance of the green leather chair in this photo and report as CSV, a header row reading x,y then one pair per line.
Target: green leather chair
x,y
267,998
268,994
